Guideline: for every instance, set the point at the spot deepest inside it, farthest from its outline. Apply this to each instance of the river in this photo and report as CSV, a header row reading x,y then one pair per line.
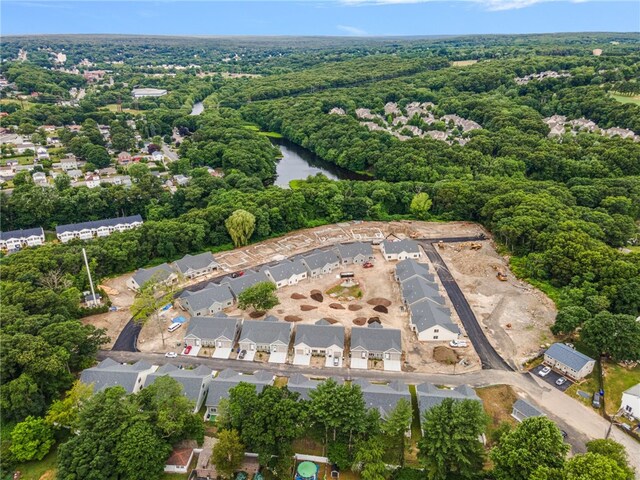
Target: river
x,y
197,108
297,163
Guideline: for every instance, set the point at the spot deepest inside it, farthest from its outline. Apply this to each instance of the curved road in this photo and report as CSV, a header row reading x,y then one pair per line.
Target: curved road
x,y
490,359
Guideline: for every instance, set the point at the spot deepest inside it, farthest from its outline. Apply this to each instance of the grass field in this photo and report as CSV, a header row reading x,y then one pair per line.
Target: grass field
x,y
42,470
24,103
463,63
113,107
617,379
635,99
498,403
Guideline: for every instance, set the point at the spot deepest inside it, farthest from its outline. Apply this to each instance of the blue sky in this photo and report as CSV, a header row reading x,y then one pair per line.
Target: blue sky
x,y
317,17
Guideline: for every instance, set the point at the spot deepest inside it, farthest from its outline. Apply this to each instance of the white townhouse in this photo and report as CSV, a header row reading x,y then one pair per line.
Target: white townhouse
x,y
16,239
97,228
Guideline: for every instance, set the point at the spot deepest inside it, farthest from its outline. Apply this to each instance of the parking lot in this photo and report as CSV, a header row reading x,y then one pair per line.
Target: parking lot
x,y
551,378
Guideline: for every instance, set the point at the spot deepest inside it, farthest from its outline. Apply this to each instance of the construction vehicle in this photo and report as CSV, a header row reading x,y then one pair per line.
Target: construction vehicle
x,y
475,246
441,244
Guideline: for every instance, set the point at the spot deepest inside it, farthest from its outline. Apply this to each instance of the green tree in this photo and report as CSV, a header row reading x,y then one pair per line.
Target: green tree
x,y
450,443
369,459
593,466
228,453
240,226
141,454
536,442
613,450
62,182
396,425
420,206
31,439
152,296
64,413
569,318
614,334
260,297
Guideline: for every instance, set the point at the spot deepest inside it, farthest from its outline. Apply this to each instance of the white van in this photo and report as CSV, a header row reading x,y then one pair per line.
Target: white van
x,y
174,326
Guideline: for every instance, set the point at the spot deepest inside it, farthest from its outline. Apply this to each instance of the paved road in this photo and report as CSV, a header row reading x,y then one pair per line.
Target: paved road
x,y
488,355
128,337
580,422
170,154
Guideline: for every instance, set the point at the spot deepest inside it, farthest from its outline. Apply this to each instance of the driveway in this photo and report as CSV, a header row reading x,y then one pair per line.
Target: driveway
x,y
551,378
392,365
278,357
220,352
249,356
302,359
195,349
360,363
328,362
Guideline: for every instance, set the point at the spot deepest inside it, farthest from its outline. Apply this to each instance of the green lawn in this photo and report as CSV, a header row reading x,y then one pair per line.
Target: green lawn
x,y
635,99
113,107
45,469
617,379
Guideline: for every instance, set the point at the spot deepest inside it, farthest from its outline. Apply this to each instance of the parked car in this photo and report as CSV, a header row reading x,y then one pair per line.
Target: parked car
x,y
237,274
596,400
174,326
171,355
242,354
545,371
561,381
458,343
368,265
336,361
187,349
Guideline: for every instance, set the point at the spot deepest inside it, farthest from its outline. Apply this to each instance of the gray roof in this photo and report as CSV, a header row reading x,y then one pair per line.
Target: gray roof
x,y
21,233
406,269
108,222
351,250
195,262
302,385
383,397
206,297
286,269
265,331
426,314
634,391
249,279
568,356
212,328
110,373
320,258
320,336
417,288
191,380
376,339
158,274
399,246
429,395
227,379
526,409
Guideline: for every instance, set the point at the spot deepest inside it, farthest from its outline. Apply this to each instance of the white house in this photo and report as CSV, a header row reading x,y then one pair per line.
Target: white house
x,y
287,273
569,361
110,373
15,239
377,344
97,228
217,332
180,458
523,410
40,178
212,299
321,262
269,336
631,402
162,274
357,252
321,339
400,249
192,266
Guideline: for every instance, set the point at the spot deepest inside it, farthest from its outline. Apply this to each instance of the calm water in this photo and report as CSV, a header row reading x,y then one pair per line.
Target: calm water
x,y
297,163
197,108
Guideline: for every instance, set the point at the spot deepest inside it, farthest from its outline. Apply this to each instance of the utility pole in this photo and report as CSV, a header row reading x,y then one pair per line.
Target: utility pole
x,y
86,262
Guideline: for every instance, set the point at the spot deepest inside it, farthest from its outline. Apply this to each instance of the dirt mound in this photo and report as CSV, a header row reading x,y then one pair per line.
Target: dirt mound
x,y
298,296
379,301
332,321
317,296
336,306
292,318
381,309
256,314
360,321
445,354
306,308
373,320
355,308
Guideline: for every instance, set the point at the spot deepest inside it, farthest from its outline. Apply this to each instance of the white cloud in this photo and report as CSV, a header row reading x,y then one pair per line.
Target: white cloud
x,y
355,31
492,5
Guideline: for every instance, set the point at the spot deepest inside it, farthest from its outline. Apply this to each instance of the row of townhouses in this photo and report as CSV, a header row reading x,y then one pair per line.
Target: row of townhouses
x,y
97,228
16,239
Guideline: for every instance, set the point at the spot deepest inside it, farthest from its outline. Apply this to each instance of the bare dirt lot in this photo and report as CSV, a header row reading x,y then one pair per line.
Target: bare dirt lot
x,y
516,316
495,303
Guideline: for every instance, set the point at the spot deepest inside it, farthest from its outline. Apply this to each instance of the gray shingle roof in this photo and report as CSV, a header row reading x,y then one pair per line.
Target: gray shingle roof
x,y
376,339
195,262
249,279
286,269
417,288
110,373
320,258
212,328
21,233
406,269
406,245
568,356
320,336
526,409
383,397
158,274
351,250
227,379
302,385
108,222
426,314
265,332
206,297
429,395
191,380
634,391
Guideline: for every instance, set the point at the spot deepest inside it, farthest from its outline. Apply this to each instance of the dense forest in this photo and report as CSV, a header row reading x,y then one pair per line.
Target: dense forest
x,y
565,208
